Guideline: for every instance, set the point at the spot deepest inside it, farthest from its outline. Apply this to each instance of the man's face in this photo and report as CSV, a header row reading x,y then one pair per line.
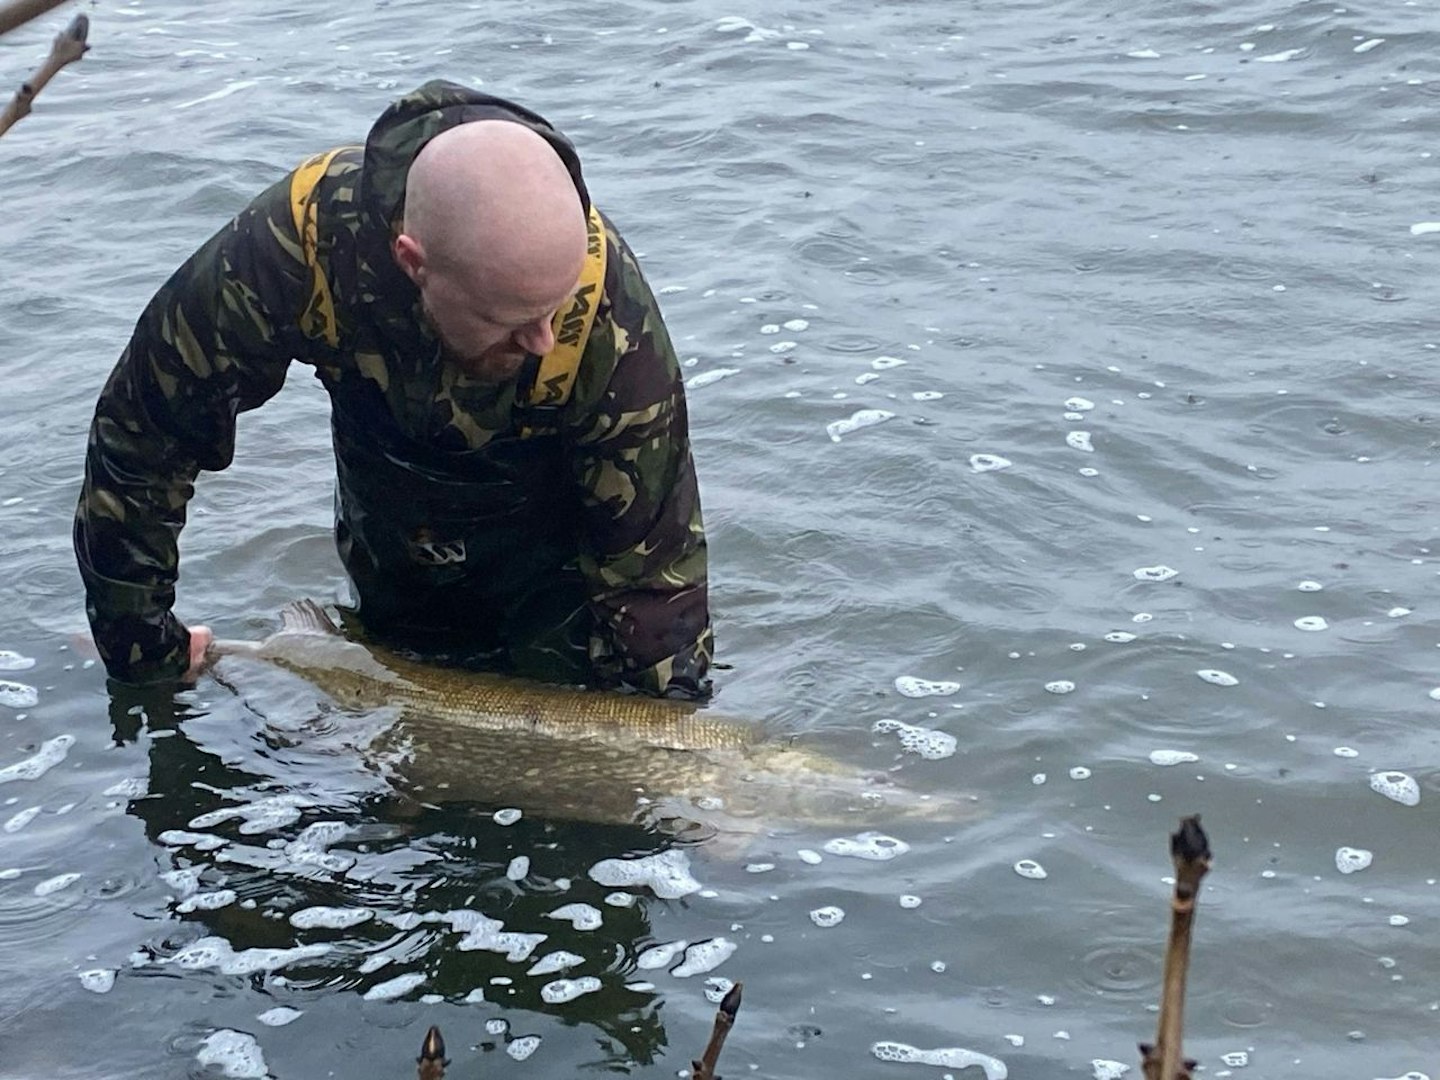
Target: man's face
x,y
487,339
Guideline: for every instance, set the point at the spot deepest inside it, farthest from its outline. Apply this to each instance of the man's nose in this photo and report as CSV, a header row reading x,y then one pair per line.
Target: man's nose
x,y
536,337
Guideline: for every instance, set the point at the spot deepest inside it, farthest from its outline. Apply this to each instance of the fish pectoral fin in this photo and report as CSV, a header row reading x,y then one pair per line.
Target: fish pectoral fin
x,y
306,617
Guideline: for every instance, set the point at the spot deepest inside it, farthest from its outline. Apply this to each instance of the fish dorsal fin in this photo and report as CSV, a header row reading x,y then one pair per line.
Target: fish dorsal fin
x,y
306,617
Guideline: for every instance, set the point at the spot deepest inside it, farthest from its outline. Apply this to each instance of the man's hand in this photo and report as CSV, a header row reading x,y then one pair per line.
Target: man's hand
x,y
201,638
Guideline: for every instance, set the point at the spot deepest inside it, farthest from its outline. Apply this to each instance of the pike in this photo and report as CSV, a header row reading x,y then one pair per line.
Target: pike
x,y
565,752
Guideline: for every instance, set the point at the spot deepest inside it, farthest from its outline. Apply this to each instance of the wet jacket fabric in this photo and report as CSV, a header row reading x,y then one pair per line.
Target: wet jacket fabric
x,y
451,498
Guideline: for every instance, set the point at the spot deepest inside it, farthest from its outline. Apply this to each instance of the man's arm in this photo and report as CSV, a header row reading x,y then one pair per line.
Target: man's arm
x,y
213,342
645,557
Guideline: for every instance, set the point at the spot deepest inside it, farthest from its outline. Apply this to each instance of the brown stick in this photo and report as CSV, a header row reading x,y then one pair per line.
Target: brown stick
x,y
1190,852
69,46
432,1060
18,12
704,1067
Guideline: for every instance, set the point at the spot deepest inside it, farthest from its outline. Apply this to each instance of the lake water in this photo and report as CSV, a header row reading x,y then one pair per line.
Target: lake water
x,y
1144,297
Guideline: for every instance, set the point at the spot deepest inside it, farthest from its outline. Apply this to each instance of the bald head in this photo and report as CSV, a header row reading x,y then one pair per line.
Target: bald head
x,y
493,235
492,202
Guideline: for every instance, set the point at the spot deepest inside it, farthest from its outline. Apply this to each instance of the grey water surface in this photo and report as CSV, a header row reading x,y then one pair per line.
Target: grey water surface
x,y
1143,298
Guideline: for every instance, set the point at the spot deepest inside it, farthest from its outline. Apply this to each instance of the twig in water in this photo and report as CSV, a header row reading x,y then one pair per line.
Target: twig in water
x,y
19,12
432,1060
704,1067
1190,852
68,47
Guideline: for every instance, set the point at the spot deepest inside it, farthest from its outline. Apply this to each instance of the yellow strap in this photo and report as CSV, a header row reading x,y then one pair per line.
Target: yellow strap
x,y
318,318
572,323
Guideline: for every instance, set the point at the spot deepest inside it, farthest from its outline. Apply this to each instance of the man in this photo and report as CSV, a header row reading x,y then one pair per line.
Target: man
x,y
509,423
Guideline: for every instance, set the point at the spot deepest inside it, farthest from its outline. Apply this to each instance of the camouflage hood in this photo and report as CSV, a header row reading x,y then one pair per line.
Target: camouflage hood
x,y
406,126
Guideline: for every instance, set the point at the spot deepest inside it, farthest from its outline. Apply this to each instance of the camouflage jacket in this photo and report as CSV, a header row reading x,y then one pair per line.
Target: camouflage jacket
x,y
608,485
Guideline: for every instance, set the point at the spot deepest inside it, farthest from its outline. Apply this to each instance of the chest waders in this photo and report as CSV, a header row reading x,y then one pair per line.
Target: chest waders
x,y
473,549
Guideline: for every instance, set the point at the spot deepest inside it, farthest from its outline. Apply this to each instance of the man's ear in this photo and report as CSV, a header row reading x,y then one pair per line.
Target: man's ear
x,y
410,256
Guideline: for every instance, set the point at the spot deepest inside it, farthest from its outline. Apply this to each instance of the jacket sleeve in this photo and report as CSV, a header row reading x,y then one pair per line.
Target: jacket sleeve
x,y
643,554
215,341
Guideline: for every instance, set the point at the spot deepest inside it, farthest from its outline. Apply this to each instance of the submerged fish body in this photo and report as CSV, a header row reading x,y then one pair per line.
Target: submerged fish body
x,y
588,755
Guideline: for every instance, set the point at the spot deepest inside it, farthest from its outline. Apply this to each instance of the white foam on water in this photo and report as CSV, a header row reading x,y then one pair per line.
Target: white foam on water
x,y
1079,404
828,916
1407,1076
938,966
1366,46
261,816
876,847
1143,54
782,347
1400,612
911,687
236,1054
704,957
13,661
759,867
716,987
988,463
51,753
508,816
483,934
330,918
1236,1059
1312,623
1120,637
211,901
563,990
1420,228
1029,868
56,884
496,1026
810,858
927,395
866,378
1435,694
518,869
18,695
1060,686
659,956
856,421
1310,586
199,841
132,787
1080,772
474,997
555,962
523,1047
1079,440
98,980
952,1057
1038,779
884,363
705,378
928,743
399,986
1346,752
20,820
1155,573
1397,786
1172,757
184,881
279,1016
667,874
1104,1069
1218,678
217,953
909,902
1350,860
1142,617
1280,57
580,916
620,899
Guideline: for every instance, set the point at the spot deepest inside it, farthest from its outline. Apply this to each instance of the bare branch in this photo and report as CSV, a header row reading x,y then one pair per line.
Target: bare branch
x,y
69,46
704,1067
18,12
1190,852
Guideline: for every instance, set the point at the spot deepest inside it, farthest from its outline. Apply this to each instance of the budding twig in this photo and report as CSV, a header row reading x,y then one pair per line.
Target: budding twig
x,y
432,1060
1190,852
69,46
704,1067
